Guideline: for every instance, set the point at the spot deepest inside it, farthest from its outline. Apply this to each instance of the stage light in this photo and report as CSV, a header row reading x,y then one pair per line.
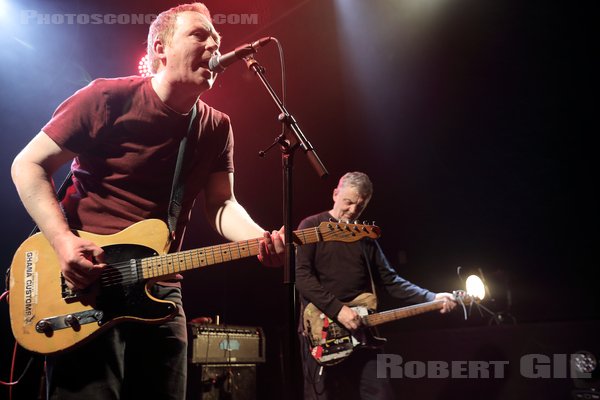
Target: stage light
x,y
475,284
143,66
475,287
584,362
585,375
498,300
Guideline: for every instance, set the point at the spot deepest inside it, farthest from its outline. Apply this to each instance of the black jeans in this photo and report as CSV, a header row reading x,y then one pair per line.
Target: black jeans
x,y
129,361
355,378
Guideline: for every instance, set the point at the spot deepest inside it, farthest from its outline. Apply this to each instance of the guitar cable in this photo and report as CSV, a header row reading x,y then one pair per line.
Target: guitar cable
x,y
60,194
10,382
460,301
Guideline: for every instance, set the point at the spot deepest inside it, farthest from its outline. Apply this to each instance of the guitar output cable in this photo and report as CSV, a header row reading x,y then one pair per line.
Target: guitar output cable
x,y
460,301
60,194
10,382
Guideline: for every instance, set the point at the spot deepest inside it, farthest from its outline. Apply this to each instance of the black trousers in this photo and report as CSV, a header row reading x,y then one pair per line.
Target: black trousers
x,y
355,378
129,361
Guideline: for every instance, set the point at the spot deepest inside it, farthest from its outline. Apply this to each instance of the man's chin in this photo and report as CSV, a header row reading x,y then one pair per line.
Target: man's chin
x,y
204,84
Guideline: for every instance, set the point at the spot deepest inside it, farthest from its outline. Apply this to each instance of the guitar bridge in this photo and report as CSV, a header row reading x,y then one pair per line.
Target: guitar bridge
x,y
74,321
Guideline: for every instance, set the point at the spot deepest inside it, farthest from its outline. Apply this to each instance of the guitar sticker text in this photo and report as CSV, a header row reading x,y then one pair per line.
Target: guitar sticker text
x,y
31,287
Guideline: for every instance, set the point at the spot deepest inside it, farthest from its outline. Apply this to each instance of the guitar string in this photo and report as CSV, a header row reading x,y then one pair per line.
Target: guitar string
x,y
410,310
167,262
122,272
116,276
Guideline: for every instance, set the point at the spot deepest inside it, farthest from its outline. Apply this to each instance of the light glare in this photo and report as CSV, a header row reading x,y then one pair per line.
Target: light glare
x,y
144,67
475,287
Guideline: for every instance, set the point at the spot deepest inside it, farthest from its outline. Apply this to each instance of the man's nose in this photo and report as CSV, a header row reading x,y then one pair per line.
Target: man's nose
x,y
211,45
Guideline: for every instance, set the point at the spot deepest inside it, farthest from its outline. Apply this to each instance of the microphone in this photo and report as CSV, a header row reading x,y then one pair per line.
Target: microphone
x,y
218,63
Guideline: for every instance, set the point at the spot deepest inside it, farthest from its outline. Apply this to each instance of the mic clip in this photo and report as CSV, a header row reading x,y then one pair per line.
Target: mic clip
x,y
252,64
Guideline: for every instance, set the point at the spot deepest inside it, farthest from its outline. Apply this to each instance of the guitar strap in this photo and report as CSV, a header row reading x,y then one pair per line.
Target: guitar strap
x,y
178,188
362,247
374,328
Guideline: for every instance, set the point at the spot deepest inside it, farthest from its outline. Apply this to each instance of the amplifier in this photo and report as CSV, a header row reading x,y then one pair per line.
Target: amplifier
x,y
225,344
222,381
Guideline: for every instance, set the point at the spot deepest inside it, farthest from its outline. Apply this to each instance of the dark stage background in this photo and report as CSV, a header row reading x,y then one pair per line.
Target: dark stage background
x,y
471,117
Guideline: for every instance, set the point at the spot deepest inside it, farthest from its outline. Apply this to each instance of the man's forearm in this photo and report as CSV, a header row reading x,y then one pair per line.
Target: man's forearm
x,y
37,195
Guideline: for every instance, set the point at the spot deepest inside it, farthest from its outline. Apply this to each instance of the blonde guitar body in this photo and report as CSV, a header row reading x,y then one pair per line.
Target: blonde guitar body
x,y
38,291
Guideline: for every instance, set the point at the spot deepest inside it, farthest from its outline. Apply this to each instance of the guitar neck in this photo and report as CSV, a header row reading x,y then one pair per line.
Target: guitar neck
x,y
168,264
399,313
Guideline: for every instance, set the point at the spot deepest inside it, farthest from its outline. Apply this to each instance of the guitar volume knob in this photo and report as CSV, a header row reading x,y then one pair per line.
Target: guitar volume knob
x,y
71,320
43,326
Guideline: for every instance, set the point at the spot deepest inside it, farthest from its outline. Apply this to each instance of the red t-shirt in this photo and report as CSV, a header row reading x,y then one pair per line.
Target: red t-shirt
x,y
127,142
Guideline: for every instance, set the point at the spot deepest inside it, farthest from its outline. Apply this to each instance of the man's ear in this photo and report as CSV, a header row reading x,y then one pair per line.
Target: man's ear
x,y
335,193
159,50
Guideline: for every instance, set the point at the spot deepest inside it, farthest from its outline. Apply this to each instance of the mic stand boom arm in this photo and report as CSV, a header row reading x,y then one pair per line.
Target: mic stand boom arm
x,y
286,118
291,374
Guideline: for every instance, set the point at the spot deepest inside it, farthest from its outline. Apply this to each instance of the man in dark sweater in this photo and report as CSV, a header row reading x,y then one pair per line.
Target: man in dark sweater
x,y
330,274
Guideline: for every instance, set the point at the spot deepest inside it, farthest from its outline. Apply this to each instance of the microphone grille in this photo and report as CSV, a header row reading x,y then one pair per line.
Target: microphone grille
x,y
213,63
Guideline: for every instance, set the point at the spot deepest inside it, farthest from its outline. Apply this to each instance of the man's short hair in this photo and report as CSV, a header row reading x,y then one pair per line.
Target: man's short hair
x,y
358,180
163,26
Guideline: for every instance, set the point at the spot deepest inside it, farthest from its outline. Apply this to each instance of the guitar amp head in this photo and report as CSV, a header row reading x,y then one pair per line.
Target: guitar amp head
x,y
225,344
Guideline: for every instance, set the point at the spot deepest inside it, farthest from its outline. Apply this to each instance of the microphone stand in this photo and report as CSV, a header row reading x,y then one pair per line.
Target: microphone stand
x,y
289,141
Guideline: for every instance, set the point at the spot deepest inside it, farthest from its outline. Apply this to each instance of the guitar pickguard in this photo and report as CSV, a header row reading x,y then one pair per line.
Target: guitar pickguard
x,y
120,292
127,297
336,342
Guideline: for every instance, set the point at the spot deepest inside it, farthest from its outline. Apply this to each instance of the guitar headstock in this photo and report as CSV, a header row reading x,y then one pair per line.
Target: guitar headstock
x,y
346,232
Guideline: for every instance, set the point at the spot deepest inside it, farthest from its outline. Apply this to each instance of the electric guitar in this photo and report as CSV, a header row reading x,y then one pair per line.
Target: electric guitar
x,y
47,317
331,343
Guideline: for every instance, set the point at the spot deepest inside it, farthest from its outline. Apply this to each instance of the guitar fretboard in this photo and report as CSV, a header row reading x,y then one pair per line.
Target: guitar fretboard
x,y
405,312
168,264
